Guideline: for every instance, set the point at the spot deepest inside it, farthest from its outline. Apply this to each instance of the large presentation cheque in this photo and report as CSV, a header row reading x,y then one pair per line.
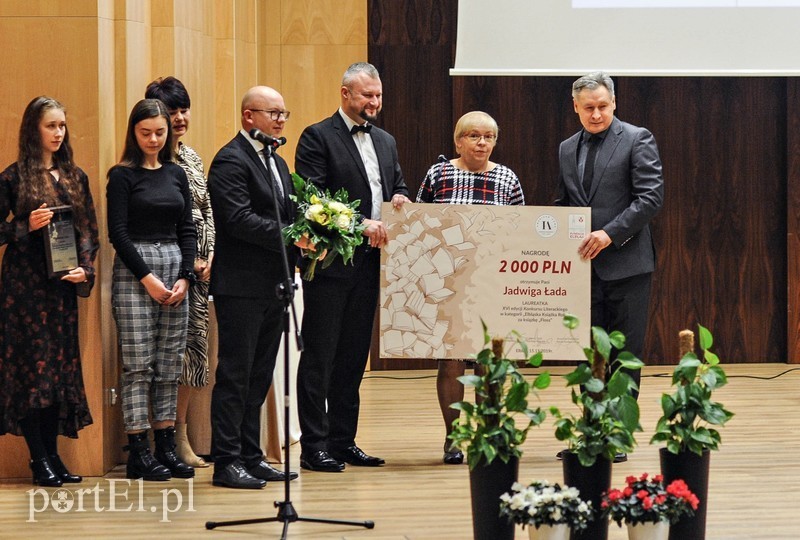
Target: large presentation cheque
x,y
446,267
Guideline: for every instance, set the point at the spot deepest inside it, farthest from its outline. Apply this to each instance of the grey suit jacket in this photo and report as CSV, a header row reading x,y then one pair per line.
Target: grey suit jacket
x,y
328,156
627,192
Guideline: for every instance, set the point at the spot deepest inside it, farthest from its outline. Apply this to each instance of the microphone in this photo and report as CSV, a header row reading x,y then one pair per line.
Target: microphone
x,y
441,160
265,139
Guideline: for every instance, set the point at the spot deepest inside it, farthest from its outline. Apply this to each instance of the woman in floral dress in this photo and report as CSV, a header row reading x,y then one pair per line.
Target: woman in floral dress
x,y
41,392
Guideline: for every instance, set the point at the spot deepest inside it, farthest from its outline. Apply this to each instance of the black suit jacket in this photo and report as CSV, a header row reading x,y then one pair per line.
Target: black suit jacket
x,y
247,258
328,157
626,193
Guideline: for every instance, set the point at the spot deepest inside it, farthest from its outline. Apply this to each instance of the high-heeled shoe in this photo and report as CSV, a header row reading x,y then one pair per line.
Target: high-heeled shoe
x,y
43,473
184,449
62,471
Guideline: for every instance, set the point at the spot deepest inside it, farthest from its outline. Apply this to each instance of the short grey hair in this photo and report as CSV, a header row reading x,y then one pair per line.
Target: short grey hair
x,y
356,69
592,81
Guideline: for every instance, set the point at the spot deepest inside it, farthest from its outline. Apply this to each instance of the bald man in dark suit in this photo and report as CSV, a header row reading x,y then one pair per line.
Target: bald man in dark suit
x,y
344,151
244,181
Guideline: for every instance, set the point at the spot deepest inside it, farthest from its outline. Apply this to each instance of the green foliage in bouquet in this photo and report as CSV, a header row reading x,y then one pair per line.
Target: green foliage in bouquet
x,y
330,223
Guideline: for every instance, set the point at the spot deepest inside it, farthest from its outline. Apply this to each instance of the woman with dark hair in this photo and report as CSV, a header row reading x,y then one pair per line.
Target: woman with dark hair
x,y
41,391
150,225
195,361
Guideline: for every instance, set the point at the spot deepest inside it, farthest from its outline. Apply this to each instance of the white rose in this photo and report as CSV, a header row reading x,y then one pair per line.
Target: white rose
x,y
343,221
316,212
336,206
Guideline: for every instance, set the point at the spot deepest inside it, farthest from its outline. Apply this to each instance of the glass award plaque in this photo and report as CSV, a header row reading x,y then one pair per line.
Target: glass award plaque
x,y
60,245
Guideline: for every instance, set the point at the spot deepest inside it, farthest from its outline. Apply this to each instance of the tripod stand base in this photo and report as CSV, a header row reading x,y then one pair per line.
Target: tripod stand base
x,y
287,514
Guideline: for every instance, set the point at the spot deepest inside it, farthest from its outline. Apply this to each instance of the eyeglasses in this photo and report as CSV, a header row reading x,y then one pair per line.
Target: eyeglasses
x,y
274,114
475,137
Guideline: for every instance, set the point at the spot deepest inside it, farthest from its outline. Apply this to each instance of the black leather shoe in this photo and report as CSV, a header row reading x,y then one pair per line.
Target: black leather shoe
x,y
43,473
453,457
265,471
61,470
234,475
620,457
320,461
353,455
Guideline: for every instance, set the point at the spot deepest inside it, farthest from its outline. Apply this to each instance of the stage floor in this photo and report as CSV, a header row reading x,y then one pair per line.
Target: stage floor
x,y
755,477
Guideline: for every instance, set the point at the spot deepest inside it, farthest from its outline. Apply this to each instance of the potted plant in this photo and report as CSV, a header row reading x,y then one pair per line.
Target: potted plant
x,y
608,418
488,431
648,507
550,510
684,425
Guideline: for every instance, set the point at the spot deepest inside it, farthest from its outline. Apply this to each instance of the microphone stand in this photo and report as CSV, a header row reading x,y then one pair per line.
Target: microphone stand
x,y
285,293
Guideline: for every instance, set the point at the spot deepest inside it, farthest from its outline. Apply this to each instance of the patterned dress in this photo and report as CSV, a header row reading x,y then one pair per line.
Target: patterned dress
x,y
448,184
40,361
195,362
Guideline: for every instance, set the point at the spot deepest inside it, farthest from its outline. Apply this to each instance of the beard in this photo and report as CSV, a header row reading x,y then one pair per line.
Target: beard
x,y
369,117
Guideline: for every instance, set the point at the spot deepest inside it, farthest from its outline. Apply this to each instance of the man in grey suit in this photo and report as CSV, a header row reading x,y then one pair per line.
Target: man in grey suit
x,y
614,168
344,151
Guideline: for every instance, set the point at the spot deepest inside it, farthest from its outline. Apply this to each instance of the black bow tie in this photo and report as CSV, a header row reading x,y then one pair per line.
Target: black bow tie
x,y
366,128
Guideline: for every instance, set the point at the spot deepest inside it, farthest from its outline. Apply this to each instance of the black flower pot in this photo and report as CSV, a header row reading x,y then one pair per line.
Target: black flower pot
x,y
693,470
591,482
486,484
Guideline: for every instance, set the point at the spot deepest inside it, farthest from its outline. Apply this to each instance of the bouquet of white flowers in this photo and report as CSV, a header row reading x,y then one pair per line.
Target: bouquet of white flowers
x,y
543,503
329,223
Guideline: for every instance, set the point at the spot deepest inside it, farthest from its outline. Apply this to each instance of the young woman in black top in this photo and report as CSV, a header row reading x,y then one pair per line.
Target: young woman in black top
x,y
150,225
41,392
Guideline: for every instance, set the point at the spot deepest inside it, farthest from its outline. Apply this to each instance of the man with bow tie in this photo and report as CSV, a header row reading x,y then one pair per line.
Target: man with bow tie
x,y
344,151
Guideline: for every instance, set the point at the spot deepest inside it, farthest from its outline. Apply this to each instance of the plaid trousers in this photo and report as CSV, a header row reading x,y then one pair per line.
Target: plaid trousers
x,y
152,337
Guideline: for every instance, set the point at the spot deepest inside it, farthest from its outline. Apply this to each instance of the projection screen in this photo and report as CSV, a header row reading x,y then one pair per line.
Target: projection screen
x,y
628,37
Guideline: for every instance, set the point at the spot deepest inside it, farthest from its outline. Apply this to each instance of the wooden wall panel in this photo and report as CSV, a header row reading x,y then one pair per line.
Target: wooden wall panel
x,y
793,218
412,43
27,55
719,239
729,148
109,50
48,8
311,78
309,22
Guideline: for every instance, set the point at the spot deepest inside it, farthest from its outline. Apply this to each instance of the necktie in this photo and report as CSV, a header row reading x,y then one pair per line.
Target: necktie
x,y
273,174
366,128
588,169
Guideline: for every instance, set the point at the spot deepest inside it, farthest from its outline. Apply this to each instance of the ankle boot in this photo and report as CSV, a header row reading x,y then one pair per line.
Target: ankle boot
x,y
43,473
141,463
165,453
61,470
184,449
